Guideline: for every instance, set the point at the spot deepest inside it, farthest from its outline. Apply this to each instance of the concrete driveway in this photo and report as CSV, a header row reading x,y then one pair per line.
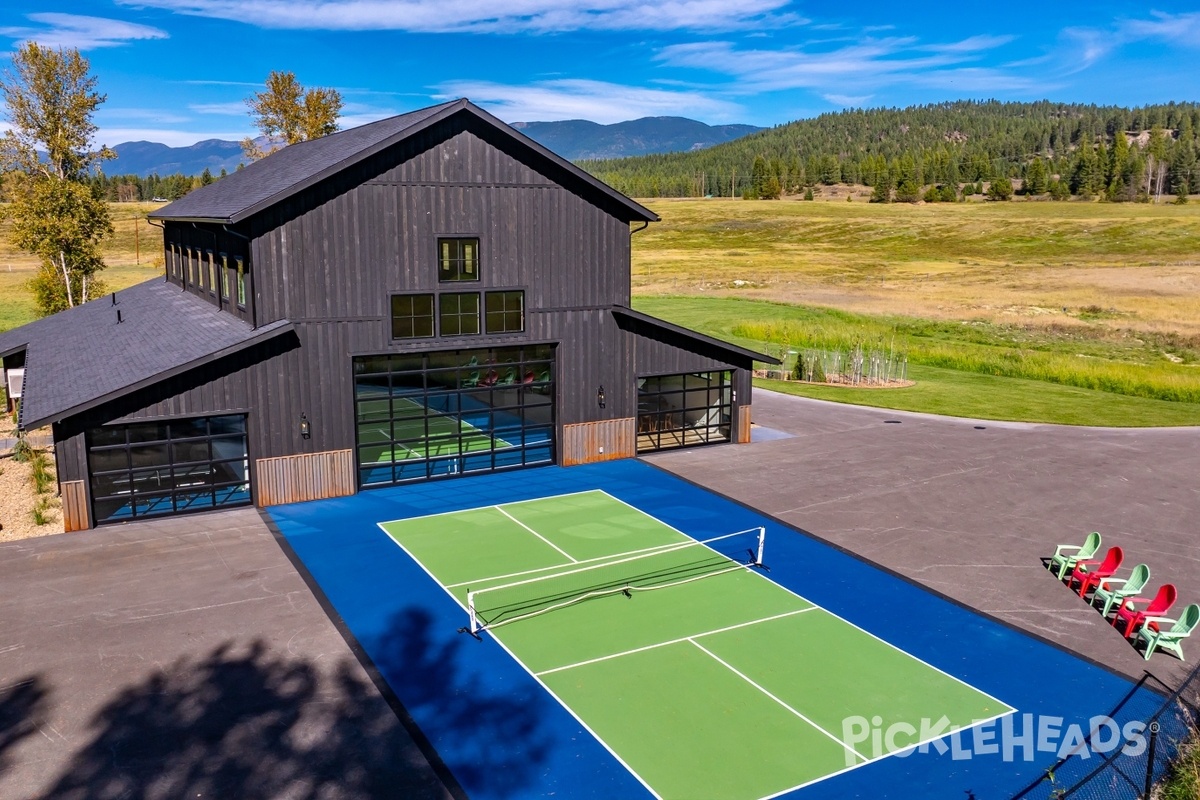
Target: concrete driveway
x,y
968,508
185,658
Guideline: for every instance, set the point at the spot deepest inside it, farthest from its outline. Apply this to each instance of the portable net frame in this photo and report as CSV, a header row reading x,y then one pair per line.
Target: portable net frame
x,y
642,570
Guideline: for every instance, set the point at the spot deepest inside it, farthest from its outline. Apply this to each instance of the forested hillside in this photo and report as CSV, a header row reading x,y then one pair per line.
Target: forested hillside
x,y
1053,148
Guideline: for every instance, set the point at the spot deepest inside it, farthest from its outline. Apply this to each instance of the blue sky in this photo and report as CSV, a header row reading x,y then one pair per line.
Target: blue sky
x,y
177,71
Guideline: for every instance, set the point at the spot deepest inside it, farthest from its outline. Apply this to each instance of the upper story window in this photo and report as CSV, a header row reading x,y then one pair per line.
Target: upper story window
x,y
458,260
412,316
224,270
241,282
212,272
504,312
458,314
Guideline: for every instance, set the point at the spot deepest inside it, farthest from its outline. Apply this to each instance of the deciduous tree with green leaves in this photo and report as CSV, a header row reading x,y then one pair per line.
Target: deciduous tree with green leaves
x,y
287,113
51,96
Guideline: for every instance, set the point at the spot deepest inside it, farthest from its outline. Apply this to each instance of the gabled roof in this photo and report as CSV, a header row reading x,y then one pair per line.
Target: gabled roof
x,y
82,357
286,172
637,318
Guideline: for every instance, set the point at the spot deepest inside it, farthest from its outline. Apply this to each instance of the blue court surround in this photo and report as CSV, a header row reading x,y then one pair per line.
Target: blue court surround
x,y
503,736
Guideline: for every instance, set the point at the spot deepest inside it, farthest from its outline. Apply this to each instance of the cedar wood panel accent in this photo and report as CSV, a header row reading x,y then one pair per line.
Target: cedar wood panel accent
x,y
581,444
313,476
76,515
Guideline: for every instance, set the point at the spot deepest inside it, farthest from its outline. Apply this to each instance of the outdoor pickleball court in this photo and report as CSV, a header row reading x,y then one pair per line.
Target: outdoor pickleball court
x,y
699,673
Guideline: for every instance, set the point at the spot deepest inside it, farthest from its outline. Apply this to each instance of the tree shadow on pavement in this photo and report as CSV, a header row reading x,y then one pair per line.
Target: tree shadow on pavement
x,y
22,706
244,721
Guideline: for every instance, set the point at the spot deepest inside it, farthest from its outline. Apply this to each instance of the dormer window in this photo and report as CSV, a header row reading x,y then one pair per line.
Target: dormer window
x,y
458,260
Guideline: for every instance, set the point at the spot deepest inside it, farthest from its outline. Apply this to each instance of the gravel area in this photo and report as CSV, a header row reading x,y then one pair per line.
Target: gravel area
x,y
17,497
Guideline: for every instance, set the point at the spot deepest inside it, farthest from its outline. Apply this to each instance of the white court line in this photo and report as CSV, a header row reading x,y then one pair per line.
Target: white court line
x,y
535,676
763,689
658,548
485,508
836,616
680,640
572,558
532,674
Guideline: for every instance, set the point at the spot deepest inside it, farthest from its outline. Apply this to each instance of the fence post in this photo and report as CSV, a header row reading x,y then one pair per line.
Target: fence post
x,y
1150,759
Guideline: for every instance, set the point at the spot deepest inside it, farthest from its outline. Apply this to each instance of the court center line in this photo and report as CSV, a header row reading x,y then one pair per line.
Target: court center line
x,y
680,640
744,677
838,617
573,559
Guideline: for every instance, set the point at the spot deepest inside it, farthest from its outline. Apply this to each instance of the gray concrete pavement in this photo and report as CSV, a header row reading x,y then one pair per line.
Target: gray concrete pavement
x,y
968,507
185,658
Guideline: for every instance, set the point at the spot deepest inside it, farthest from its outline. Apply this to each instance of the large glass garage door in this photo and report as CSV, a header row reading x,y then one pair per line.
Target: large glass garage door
x,y
684,410
439,414
174,466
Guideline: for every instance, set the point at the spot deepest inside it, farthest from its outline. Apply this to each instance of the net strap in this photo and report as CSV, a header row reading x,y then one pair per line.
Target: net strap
x,y
606,561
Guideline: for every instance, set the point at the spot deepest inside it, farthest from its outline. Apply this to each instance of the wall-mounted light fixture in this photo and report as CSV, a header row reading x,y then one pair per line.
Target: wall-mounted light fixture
x,y
305,427
600,397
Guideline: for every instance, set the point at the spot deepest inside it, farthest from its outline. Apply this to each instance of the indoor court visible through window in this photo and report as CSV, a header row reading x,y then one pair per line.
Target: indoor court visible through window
x,y
454,412
683,410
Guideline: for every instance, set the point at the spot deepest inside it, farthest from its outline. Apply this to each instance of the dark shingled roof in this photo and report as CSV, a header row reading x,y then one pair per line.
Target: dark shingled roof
x,y
285,172
81,357
637,318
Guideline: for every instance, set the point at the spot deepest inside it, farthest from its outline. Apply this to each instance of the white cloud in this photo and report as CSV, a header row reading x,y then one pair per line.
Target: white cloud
x,y
488,16
850,72
846,101
1093,44
233,109
585,99
81,32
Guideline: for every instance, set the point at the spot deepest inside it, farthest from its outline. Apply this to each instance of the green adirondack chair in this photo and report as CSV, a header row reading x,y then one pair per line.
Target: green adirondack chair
x,y
1066,556
1113,590
1154,635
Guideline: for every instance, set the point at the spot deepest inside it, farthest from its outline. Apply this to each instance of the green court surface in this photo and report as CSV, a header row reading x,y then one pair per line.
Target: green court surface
x,y
705,678
409,437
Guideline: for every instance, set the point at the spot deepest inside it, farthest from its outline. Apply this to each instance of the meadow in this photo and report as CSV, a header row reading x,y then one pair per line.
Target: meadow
x,y
1079,313
132,254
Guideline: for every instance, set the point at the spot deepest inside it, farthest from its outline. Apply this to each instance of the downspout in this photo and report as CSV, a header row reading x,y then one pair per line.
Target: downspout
x,y
163,228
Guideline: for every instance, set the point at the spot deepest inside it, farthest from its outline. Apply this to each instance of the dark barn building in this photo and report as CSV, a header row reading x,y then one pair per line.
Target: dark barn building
x,y
426,296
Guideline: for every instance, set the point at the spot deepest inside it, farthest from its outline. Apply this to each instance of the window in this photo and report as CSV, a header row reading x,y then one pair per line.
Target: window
x,y
504,312
191,269
458,314
458,260
172,261
168,467
212,272
241,283
442,414
224,277
412,316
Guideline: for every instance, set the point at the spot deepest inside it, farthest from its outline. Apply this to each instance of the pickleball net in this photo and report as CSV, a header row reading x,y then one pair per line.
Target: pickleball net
x,y
543,591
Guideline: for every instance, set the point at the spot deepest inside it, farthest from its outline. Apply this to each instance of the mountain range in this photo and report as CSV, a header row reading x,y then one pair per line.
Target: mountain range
x,y
571,139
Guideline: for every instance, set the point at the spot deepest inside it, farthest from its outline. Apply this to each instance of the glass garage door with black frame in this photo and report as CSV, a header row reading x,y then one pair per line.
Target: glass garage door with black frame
x,y
426,415
149,469
683,410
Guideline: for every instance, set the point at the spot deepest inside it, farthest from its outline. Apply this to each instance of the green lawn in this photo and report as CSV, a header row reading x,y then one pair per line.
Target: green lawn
x,y
956,392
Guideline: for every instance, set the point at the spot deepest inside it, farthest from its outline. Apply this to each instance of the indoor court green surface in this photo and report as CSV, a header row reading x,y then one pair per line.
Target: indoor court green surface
x,y
408,437
706,678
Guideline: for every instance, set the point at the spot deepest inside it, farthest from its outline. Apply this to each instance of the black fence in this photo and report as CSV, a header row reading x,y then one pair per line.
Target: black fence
x,y
1153,730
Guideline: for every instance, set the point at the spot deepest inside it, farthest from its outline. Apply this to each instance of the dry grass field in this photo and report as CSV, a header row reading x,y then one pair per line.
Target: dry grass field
x,y
133,254
1122,266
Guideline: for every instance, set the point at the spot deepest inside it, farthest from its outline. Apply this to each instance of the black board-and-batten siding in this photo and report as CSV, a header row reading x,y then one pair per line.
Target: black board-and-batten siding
x,y
327,258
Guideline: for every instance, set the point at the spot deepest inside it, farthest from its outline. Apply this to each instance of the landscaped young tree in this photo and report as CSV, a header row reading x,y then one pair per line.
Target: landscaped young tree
x,y
287,113
56,214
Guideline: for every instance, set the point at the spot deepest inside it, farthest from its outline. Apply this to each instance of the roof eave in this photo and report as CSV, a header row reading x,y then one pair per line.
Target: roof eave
x,y
79,408
712,341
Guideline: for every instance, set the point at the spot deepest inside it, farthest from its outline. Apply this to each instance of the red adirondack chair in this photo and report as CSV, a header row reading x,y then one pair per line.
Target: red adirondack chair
x,y
1159,605
1090,573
